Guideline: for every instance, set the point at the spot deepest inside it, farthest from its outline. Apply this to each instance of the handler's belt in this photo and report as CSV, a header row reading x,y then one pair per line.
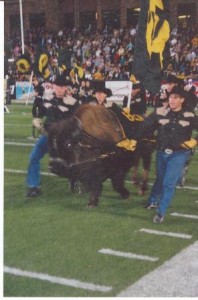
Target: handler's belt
x,y
170,151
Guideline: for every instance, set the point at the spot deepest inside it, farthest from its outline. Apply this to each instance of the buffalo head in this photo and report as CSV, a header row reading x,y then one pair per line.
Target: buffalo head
x,y
63,143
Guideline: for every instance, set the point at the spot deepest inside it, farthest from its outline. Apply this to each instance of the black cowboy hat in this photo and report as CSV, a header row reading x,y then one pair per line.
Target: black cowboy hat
x,y
172,79
99,86
61,80
179,91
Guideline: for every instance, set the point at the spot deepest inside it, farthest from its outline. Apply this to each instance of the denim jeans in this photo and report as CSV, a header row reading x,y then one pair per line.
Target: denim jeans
x,y
40,149
169,168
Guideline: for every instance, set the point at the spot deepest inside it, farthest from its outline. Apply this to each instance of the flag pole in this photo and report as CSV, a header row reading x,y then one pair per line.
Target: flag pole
x,y
23,46
22,30
129,95
30,83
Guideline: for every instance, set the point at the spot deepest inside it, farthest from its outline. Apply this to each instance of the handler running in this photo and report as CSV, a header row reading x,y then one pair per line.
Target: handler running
x,y
174,143
61,106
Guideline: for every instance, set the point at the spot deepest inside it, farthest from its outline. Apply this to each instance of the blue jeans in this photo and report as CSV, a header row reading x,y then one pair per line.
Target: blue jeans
x,y
169,168
39,150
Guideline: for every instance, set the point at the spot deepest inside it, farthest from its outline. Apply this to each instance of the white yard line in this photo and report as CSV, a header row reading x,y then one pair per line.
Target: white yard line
x,y
171,234
177,277
19,144
58,280
128,255
128,181
187,188
25,172
44,173
18,125
175,214
178,187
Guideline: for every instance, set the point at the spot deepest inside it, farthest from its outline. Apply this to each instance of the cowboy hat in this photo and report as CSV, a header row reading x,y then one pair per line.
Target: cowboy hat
x,y
179,91
60,80
99,86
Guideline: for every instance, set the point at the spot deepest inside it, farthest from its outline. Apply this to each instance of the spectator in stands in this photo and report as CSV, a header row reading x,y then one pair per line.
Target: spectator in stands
x,y
116,49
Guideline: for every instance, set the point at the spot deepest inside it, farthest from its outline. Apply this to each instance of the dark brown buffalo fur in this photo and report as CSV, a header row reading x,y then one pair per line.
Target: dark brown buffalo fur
x,y
100,123
84,148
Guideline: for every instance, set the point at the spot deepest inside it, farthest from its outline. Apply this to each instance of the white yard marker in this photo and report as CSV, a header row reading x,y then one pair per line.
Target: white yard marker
x,y
187,188
128,255
58,280
25,172
175,214
29,144
193,188
17,125
19,144
172,234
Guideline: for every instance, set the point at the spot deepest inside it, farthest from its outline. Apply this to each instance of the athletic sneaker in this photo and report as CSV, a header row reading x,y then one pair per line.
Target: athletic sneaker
x,y
151,205
158,219
33,192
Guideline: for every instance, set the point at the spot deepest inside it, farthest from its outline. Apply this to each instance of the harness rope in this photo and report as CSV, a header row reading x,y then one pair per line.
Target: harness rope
x,y
71,165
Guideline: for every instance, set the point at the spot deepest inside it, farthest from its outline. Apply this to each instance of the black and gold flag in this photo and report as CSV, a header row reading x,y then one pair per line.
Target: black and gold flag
x,y
23,64
41,64
151,43
64,60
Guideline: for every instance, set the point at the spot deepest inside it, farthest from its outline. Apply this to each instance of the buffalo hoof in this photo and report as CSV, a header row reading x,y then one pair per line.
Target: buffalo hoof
x,y
73,184
92,206
93,203
125,194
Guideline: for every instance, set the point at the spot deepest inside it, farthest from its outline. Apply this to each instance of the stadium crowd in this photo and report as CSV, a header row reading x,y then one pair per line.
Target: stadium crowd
x,y
106,55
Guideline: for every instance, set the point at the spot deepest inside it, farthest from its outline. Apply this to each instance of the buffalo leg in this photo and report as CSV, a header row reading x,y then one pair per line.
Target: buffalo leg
x,y
73,184
118,185
135,170
95,192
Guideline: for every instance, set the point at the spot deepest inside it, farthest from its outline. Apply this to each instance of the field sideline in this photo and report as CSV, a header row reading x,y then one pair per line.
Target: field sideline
x,y
55,247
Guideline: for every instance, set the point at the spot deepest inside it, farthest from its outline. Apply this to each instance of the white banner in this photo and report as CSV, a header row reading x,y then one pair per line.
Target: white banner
x,y
22,90
119,89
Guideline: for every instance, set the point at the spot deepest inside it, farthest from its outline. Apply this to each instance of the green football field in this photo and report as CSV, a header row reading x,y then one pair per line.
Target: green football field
x,y
54,246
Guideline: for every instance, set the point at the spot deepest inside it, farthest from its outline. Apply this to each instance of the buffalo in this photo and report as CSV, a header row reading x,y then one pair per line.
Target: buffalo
x,y
83,148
